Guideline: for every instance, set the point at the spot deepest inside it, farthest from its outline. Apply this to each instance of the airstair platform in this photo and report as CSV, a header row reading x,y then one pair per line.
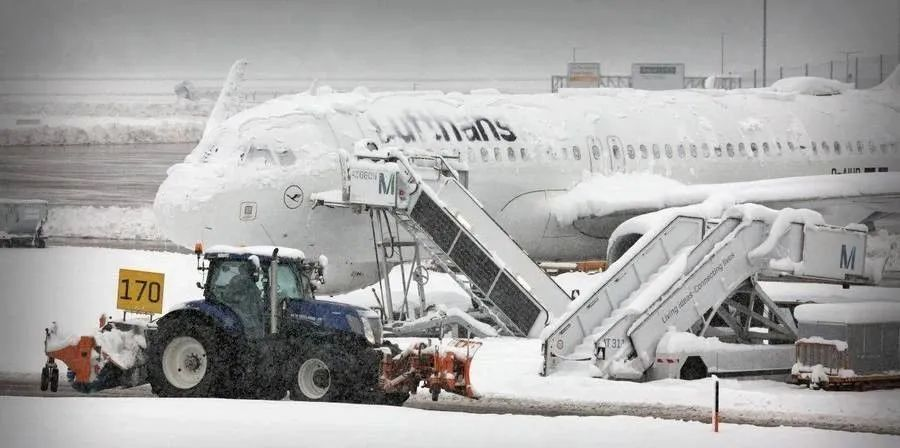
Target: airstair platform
x,y
455,231
699,277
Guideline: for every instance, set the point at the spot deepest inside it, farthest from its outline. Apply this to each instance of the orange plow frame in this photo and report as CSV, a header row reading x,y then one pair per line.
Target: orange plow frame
x,y
436,367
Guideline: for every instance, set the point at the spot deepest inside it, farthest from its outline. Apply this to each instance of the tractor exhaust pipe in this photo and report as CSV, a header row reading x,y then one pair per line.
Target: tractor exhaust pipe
x,y
273,293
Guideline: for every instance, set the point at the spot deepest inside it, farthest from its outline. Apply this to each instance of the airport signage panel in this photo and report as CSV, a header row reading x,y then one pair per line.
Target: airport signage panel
x,y
583,74
664,76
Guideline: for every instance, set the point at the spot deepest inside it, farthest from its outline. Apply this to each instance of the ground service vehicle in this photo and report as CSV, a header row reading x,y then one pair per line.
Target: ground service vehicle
x,y
259,332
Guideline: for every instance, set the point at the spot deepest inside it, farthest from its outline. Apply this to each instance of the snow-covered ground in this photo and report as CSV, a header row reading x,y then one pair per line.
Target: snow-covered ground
x,y
74,285
141,422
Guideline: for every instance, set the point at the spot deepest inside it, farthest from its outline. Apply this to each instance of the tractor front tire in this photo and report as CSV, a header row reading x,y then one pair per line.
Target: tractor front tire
x,y
188,361
320,375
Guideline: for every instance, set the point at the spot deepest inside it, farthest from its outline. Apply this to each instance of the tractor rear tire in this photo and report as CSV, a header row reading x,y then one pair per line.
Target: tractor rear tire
x,y
188,361
322,375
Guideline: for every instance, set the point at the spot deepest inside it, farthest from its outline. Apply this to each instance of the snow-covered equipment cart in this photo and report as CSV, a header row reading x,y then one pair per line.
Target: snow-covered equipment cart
x,y
848,345
259,332
22,222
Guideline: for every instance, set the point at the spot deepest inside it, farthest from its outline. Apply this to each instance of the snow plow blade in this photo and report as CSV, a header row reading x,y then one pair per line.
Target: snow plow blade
x,y
436,367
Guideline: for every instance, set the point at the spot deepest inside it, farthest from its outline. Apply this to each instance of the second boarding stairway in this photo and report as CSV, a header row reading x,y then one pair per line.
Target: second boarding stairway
x,y
451,225
692,276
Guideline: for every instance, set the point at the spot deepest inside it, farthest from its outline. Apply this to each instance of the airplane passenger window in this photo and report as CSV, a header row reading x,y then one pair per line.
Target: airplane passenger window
x,y
497,155
859,147
565,153
595,151
729,148
705,148
872,146
742,149
837,148
552,153
655,151
576,152
765,147
616,152
718,150
511,154
484,154
884,148
894,146
824,147
815,150
681,151
693,150
643,151
754,149
668,150
790,146
630,151
523,153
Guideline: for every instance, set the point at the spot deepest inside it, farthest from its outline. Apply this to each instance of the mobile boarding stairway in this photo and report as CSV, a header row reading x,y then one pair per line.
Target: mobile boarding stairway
x,y
698,277
449,224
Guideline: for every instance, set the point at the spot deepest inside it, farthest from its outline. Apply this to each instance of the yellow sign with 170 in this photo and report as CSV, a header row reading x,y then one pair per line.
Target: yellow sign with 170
x,y
140,291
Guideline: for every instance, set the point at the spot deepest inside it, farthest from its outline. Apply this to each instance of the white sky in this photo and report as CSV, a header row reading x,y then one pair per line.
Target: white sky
x,y
426,38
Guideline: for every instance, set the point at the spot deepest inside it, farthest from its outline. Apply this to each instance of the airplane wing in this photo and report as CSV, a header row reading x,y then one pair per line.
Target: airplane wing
x,y
842,199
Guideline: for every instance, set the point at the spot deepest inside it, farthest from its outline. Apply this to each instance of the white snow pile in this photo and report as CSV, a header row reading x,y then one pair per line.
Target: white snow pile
x,y
122,348
848,313
102,222
784,292
83,130
674,342
840,346
810,85
600,195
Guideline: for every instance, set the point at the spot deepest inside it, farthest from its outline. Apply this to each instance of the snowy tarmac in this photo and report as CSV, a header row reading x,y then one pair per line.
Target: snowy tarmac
x,y
95,175
74,285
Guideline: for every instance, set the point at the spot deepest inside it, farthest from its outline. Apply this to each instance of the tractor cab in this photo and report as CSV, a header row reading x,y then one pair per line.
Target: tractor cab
x,y
241,279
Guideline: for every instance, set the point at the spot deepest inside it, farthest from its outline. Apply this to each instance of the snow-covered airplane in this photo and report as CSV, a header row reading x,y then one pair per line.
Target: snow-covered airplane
x,y
249,179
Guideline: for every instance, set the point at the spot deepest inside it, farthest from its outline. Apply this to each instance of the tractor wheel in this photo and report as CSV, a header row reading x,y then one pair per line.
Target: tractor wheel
x,y
54,379
45,379
320,375
187,361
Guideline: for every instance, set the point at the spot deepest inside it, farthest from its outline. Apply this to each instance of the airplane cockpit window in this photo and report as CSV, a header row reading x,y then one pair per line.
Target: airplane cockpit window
x,y
729,148
259,157
705,147
511,154
497,155
524,153
681,151
837,148
484,154
643,151
595,152
718,150
655,151
630,151
693,150
576,152
668,151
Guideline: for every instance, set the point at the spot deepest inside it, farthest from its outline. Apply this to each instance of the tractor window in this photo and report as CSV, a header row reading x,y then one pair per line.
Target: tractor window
x,y
233,282
289,285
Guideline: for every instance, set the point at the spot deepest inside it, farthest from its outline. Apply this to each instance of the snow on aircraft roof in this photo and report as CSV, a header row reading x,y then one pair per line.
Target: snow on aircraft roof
x,y
259,251
849,313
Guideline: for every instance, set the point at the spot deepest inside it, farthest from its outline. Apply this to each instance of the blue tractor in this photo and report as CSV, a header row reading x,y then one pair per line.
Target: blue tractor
x,y
260,333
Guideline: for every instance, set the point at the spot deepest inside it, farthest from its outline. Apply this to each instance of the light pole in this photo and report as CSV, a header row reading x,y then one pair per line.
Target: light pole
x,y
847,63
722,56
764,44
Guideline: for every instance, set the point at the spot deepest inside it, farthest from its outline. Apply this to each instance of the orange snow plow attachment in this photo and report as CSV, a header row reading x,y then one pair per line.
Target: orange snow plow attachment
x,y
437,367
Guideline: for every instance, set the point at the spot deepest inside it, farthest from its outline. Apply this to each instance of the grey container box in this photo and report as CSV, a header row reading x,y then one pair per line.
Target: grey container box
x,y
22,221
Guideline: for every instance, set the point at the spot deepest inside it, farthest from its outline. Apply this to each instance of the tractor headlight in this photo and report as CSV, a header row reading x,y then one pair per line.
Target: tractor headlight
x,y
366,324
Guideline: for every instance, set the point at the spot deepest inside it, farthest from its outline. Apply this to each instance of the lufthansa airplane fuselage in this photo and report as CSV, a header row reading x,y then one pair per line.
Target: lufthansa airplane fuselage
x,y
249,180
